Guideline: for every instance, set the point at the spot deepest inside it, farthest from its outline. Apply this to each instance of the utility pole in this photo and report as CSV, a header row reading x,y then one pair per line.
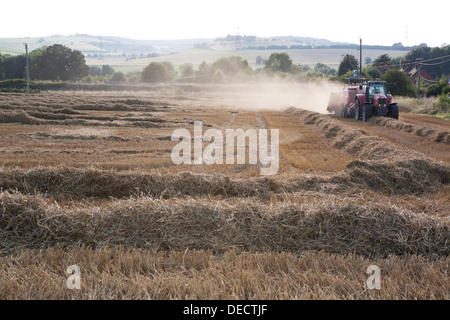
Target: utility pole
x,y
28,70
418,79
360,57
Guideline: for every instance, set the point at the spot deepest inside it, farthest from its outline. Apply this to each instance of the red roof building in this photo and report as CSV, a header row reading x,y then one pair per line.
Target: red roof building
x,y
414,74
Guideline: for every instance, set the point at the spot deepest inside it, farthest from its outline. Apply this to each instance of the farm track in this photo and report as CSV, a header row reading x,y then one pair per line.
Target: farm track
x,y
109,198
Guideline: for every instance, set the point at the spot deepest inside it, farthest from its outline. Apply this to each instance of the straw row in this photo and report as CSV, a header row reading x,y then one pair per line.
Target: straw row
x,y
353,141
436,135
61,119
238,224
413,176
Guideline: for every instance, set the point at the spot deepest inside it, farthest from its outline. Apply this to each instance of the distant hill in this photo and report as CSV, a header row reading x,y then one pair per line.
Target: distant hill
x,y
108,45
116,46
238,42
130,54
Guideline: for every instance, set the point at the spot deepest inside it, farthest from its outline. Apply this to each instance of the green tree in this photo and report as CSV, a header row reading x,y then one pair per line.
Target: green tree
x,y
397,45
438,54
204,69
399,83
443,104
95,71
35,60
278,62
348,63
118,77
231,66
382,60
58,62
397,61
324,69
171,69
1,66
156,72
13,67
373,72
187,70
107,70
304,67
437,88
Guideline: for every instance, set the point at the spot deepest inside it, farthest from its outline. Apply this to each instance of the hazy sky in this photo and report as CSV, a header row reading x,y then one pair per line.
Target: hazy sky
x,y
381,22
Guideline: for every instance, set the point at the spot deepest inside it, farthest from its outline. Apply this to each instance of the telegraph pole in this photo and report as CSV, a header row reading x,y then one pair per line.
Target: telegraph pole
x,y
28,71
360,57
418,79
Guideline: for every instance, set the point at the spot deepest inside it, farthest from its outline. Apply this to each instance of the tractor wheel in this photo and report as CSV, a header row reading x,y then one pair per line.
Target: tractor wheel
x,y
357,110
393,111
366,112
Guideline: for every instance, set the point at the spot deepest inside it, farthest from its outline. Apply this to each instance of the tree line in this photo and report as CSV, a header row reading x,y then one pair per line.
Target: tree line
x,y
58,62
436,64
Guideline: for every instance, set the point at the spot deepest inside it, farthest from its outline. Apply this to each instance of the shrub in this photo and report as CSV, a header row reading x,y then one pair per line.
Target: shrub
x,y
438,88
158,72
118,77
399,83
443,104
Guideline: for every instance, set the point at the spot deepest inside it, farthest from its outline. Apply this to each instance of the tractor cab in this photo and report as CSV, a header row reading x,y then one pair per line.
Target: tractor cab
x,y
375,89
376,94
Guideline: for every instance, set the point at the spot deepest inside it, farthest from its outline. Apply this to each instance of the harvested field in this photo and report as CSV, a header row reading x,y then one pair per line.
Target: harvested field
x,y
436,135
431,138
87,179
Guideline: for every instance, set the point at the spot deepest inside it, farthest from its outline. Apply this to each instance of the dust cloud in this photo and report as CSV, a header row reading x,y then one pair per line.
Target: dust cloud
x,y
278,95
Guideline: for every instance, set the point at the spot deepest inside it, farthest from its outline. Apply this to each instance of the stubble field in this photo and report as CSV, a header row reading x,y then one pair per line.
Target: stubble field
x,y
87,179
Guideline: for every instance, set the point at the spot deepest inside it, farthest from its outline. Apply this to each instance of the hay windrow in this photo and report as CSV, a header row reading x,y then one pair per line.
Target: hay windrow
x,y
38,118
45,135
408,177
356,142
436,135
241,225
414,176
20,117
97,183
382,166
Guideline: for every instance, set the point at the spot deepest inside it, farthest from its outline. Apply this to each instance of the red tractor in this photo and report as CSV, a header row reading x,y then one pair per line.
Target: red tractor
x,y
363,99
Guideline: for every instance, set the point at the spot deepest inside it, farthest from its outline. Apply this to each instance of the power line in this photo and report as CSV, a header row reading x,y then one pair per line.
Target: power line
x,y
403,64
420,61
436,58
414,62
434,64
